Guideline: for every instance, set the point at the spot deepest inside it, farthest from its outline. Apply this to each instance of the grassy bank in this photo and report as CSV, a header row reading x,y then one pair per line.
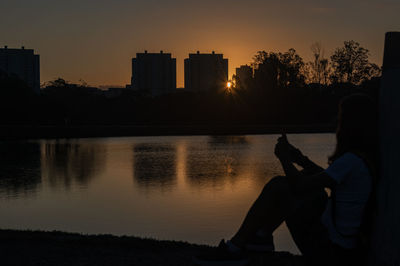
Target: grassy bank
x,y
58,248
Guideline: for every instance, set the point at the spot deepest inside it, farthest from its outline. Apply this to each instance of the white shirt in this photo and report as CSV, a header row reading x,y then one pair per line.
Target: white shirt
x,y
352,192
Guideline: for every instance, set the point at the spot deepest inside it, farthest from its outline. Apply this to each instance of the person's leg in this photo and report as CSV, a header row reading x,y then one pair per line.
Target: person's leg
x,y
275,203
270,209
307,231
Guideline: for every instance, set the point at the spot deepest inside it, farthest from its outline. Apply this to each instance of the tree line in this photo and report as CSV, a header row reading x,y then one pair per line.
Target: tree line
x,y
348,64
282,89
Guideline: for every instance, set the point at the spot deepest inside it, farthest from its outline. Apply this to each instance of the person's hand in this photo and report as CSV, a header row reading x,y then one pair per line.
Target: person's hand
x,y
283,138
295,154
282,148
286,150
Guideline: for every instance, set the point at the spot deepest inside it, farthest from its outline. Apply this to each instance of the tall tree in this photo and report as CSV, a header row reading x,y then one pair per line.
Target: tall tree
x,y
267,67
291,74
351,64
318,69
283,70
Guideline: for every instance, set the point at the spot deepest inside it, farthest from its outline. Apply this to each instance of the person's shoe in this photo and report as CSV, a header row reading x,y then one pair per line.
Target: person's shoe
x,y
261,244
222,256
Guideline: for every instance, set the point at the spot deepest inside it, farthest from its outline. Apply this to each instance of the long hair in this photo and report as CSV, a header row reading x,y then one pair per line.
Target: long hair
x,y
357,129
357,132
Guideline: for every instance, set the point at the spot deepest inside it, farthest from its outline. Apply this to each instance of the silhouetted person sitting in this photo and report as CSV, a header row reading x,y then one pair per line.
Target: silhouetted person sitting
x,y
326,230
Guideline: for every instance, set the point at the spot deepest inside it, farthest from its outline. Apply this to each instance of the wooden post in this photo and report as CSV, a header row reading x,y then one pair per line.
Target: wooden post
x,y
386,240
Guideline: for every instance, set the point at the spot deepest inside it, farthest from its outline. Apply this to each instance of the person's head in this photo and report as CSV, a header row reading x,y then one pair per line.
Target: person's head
x,y
357,127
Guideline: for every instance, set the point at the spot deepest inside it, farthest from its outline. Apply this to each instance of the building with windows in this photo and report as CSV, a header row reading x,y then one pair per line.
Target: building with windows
x,y
205,72
23,64
153,73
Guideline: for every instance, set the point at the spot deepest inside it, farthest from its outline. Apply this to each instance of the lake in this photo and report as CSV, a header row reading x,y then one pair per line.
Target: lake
x,y
194,188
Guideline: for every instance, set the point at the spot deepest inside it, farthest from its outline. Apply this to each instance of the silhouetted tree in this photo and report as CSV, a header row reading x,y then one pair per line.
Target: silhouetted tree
x,y
318,69
279,70
57,83
351,65
291,74
267,67
73,103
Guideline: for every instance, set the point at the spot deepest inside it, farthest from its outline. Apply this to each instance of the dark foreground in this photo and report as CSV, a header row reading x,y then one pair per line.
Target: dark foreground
x,y
57,248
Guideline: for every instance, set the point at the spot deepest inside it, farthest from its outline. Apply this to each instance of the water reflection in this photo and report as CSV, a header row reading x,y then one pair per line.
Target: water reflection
x,y
216,162
20,168
210,182
66,163
155,165
223,140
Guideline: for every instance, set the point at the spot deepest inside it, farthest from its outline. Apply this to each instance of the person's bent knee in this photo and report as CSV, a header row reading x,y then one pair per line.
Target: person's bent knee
x,y
277,183
277,190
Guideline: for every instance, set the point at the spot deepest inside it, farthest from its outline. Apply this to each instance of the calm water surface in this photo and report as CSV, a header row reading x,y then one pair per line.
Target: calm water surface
x,y
195,189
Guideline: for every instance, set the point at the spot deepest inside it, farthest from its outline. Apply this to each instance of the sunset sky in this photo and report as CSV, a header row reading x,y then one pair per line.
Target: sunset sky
x,y
94,40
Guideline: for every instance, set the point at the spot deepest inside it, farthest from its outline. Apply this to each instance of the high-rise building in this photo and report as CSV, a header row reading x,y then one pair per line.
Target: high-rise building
x,y
23,64
154,73
205,72
243,75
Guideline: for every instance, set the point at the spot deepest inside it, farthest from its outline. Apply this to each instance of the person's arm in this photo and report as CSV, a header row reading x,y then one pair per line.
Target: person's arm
x,y
299,181
309,166
336,173
304,182
297,157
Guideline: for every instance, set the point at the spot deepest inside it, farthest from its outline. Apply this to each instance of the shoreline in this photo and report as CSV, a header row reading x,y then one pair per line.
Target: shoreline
x,y
17,132
60,248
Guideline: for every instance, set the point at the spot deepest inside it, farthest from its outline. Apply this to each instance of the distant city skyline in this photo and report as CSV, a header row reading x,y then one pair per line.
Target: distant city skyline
x,y
94,41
